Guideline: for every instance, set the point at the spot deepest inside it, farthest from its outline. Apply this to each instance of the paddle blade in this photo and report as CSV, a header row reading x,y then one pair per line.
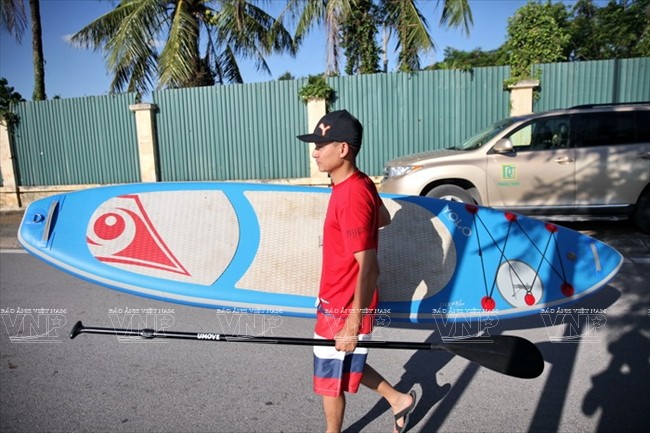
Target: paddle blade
x,y
506,354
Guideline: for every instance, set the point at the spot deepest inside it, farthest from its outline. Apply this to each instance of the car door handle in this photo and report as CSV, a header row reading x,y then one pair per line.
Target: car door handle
x,y
563,160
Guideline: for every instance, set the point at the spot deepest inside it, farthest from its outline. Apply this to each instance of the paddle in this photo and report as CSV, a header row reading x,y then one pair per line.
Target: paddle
x,y
506,354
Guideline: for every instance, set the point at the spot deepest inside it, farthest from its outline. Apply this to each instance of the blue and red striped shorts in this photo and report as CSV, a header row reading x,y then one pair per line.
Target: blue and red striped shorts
x,y
338,372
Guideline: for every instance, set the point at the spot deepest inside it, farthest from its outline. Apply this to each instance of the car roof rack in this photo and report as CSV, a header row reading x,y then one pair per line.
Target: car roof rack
x,y
610,104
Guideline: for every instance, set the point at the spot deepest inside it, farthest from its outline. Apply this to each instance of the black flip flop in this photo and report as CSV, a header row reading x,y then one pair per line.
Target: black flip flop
x,y
405,413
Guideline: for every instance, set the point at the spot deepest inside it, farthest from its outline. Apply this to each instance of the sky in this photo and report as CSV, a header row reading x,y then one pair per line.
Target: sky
x,y
76,72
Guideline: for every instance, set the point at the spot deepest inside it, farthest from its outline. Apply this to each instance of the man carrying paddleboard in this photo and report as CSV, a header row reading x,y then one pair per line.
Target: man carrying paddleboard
x,y
350,269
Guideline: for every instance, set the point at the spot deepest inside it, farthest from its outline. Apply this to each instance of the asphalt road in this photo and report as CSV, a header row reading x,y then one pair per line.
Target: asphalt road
x,y
596,374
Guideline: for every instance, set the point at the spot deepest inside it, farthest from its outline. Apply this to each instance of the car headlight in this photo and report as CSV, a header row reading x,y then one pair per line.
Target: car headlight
x,y
399,171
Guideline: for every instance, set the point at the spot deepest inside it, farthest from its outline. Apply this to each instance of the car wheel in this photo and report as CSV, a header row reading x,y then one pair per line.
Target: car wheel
x,y
451,193
641,215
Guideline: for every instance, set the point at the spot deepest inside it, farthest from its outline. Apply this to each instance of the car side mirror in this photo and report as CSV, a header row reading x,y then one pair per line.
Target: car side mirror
x,y
503,145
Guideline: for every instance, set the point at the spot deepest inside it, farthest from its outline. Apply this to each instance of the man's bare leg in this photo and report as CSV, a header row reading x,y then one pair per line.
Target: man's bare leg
x,y
398,401
334,408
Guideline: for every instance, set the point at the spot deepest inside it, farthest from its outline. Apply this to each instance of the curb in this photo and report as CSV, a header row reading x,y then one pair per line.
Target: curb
x,y
9,223
7,243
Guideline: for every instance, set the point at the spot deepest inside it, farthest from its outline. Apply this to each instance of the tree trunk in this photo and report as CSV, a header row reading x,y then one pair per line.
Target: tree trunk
x,y
37,48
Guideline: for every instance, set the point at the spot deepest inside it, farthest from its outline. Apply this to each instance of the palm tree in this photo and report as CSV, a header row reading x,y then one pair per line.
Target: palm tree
x,y
403,17
13,16
37,50
232,28
315,12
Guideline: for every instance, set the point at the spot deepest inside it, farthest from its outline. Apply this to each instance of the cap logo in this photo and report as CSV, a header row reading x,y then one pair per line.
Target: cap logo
x,y
324,129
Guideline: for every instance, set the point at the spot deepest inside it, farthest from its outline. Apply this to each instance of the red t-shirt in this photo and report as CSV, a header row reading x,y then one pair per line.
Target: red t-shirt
x,y
351,225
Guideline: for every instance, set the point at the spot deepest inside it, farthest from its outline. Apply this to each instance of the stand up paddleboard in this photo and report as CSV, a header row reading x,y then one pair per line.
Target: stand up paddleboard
x,y
257,248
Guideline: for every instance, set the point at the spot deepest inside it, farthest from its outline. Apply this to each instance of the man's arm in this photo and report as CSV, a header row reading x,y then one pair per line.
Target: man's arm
x,y
346,338
384,216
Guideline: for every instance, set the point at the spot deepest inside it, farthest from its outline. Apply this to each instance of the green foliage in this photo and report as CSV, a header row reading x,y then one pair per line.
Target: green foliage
x,y
620,29
287,76
8,96
467,60
358,39
353,25
642,48
203,41
203,74
412,30
584,45
316,88
534,36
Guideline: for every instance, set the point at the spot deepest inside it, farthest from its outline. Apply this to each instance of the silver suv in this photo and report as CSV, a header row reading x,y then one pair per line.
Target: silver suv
x,y
588,161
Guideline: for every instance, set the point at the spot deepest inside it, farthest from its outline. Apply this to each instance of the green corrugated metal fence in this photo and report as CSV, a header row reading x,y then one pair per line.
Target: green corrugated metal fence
x,y
248,131
234,132
411,113
565,85
76,141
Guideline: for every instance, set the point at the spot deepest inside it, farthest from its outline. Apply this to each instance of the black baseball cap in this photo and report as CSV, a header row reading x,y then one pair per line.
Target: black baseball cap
x,y
338,126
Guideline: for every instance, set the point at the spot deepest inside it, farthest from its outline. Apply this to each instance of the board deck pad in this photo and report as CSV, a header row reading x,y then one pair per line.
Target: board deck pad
x,y
141,234
258,247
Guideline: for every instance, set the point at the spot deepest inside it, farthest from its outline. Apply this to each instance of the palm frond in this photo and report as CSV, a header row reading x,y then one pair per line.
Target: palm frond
x,y
227,70
137,76
312,13
234,28
180,57
412,32
457,13
127,34
13,17
247,31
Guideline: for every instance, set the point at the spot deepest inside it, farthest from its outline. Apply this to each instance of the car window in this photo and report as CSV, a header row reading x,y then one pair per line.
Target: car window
x,y
542,134
486,135
611,128
643,126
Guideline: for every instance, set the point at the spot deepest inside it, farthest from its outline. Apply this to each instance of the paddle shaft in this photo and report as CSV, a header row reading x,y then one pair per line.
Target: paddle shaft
x,y
79,328
506,354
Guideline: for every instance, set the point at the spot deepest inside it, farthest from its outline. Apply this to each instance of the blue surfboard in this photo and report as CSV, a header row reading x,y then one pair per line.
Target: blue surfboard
x,y
257,248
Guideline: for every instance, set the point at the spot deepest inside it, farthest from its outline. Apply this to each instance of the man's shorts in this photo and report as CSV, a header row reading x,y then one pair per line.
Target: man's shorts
x,y
338,372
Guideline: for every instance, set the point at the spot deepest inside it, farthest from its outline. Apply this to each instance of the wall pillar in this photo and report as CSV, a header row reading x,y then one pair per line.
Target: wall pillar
x,y
10,195
521,97
147,145
316,109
